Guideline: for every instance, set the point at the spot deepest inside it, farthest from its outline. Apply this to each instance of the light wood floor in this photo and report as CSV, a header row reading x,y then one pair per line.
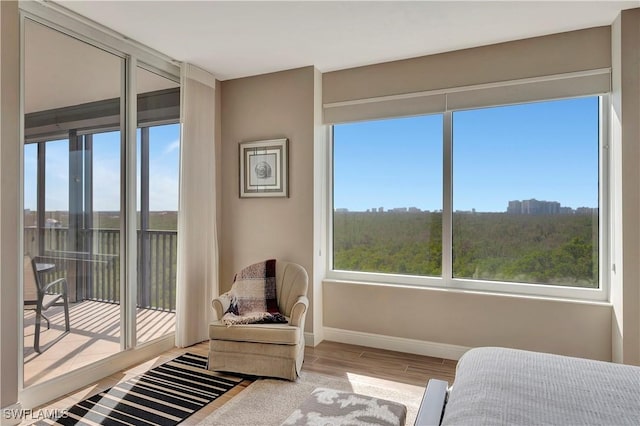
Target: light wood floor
x,y
340,359
380,367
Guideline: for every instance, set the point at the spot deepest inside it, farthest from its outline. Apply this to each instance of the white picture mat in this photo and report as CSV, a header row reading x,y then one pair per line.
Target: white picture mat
x,y
268,161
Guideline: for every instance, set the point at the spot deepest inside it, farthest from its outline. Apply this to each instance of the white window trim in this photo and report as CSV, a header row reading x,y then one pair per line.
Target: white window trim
x,y
446,281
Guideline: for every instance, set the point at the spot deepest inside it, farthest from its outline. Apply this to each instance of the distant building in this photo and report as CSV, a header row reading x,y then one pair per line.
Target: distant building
x,y
399,210
414,210
533,207
586,210
380,209
342,210
515,207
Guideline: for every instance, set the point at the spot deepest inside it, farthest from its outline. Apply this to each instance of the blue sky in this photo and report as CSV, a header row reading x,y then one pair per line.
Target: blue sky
x,y
163,174
547,151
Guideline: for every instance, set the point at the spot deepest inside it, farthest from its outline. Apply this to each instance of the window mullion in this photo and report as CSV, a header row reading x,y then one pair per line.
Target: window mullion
x,y
128,228
40,221
447,196
144,291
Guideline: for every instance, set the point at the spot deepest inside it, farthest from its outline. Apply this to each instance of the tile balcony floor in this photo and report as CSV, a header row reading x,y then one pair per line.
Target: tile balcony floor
x,y
95,334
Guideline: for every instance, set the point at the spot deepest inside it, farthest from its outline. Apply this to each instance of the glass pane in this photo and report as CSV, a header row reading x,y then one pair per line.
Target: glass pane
x,y
56,195
387,188
72,124
30,200
525,193
102,205
158,165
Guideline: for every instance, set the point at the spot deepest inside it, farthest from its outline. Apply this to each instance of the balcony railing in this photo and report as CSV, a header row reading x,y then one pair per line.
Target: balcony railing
x,y
94,274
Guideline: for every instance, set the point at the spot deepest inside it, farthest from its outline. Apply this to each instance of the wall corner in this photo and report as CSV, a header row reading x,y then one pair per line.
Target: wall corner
x,y
625,186
319,206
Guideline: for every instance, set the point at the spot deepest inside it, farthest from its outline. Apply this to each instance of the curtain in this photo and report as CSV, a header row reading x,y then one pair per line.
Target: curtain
x,y
197,269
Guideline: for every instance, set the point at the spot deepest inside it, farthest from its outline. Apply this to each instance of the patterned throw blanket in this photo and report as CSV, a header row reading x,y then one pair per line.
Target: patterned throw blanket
x,y
253,296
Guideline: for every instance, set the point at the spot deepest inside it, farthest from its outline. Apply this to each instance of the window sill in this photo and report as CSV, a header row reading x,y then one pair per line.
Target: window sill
x,y
594,297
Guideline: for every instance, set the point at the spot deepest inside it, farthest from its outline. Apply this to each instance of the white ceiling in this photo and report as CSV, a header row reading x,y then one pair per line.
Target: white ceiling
x,y
237,39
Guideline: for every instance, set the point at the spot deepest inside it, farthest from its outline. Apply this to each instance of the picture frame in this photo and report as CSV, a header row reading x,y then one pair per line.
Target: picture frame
x,y
264,168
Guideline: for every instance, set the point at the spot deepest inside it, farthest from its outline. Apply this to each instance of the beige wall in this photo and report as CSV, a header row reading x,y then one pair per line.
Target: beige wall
x,y
470,319
9,201
625,153
279,105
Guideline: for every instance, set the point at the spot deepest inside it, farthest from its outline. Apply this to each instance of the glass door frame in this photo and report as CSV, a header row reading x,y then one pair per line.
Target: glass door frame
x,y
134,55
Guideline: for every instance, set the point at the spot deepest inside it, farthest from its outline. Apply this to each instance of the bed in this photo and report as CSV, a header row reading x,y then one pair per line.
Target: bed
x,y
509,386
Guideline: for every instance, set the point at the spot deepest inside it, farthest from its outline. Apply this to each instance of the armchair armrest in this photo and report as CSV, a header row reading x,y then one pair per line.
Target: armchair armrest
x,y
298,311
221,304
56,282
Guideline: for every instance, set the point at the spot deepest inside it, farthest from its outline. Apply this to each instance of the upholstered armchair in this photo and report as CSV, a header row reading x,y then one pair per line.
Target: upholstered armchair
x,y
272,350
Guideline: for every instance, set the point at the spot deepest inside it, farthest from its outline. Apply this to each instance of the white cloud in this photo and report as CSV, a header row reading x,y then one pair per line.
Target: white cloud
x,y
172,147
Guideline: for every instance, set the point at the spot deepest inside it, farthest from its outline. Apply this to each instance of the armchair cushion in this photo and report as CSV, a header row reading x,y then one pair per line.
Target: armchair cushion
x,y
279,334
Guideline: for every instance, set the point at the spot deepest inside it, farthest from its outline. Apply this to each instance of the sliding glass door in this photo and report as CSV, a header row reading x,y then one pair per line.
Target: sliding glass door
x,y
73,95
76,233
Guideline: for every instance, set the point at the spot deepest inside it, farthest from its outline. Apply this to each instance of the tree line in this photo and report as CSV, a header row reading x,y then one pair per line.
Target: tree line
x,y
547,249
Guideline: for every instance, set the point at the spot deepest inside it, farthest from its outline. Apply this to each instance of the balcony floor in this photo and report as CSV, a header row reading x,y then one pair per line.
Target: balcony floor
x,y
95,334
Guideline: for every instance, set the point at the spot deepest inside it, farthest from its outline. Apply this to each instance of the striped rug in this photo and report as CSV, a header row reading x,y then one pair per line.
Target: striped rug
x,y
164,395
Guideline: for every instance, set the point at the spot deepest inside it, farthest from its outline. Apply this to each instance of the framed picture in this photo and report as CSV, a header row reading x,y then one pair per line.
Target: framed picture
x,y
263,168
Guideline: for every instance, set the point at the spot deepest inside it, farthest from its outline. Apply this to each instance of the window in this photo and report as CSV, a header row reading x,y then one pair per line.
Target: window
x,y
388,196
525,193
478,198
157,170
158,165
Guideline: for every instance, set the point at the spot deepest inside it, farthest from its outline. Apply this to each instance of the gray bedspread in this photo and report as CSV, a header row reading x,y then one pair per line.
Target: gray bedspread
x,y
508,386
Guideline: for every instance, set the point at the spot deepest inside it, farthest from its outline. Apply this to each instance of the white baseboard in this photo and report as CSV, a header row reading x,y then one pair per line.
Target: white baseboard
x,y
12,415
398,344
310,339
41,393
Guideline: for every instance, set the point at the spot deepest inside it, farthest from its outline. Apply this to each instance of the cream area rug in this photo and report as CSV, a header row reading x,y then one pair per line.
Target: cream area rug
x,y
270,401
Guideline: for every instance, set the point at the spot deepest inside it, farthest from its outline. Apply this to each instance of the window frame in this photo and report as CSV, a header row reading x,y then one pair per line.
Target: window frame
x,y
447,281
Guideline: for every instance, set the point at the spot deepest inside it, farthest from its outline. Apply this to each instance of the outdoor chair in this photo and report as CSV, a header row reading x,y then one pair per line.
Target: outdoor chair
x,y
272,350
39,297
